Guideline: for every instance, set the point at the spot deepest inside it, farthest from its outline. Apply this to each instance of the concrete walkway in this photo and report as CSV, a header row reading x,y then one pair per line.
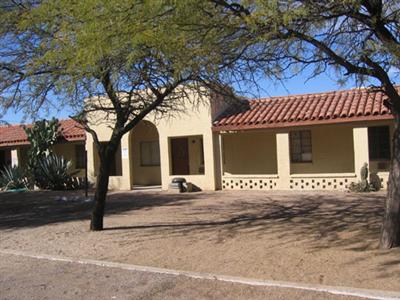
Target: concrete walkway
x,y
29,276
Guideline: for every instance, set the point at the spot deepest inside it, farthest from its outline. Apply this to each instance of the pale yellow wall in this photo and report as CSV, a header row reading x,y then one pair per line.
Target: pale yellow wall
x,y
332,151
194,118
143,175
249,153
195,121
67,150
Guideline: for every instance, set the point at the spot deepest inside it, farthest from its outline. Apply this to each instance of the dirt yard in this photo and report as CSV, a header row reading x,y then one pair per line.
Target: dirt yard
x,y
326,238
35,279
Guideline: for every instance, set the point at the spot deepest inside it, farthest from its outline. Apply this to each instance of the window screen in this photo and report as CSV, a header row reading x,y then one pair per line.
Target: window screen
x,y
150,153
300,146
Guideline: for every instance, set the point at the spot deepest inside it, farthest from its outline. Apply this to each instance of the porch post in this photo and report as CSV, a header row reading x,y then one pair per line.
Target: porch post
x,y
126,163
14,157
283,160
361,151
221,153
90,152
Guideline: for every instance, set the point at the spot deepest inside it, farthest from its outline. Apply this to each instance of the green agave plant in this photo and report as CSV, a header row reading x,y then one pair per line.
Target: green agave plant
x,y
53,172
12,178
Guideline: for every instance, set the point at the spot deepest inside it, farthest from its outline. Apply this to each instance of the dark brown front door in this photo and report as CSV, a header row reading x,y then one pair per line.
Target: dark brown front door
x,y
180,156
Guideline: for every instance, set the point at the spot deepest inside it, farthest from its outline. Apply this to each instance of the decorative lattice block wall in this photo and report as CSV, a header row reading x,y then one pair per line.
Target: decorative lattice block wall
x,y
246,183
320,183
296,183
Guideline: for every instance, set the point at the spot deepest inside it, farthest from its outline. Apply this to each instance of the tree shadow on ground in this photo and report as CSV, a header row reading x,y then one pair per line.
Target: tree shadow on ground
x,y
337,219
39,208
325,220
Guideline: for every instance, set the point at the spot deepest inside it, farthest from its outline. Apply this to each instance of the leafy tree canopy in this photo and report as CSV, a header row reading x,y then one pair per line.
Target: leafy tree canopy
x,y
136,53
66,51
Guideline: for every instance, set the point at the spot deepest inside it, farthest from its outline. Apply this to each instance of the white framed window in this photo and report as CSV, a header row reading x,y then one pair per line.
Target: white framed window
x,y
149,153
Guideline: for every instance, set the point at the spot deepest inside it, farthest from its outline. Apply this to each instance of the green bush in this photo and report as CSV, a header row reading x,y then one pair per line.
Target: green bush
x,y
53,173
12,178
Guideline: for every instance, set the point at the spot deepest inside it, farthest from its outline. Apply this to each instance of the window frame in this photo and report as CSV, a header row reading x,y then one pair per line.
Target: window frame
x,y
291,153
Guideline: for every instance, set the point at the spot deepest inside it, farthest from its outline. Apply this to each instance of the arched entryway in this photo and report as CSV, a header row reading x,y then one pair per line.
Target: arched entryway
x,y
145,155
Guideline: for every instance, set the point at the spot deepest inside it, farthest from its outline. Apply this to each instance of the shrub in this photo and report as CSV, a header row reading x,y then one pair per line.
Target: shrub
x,y
12,178
53,172
375,181
360,187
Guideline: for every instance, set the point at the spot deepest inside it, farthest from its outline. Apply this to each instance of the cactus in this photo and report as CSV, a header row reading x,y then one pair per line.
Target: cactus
x,y
363,185
364,177
364,172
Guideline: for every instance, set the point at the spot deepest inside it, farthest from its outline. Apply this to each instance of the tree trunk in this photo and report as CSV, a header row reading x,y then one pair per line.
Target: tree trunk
x,y
390,235
100,195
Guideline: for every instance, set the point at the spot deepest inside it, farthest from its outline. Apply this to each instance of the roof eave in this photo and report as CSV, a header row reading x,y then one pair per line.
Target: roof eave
x,y
294,124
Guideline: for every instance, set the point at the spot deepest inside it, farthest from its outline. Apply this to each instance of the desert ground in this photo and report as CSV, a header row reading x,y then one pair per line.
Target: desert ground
x,y
325,238
33,279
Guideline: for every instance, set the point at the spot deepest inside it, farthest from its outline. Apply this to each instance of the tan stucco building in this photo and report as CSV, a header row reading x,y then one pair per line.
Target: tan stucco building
x,y
301,142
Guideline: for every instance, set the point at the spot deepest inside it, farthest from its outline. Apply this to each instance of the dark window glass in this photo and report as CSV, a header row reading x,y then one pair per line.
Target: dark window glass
x,y
80,156
115,163
300,146
379,143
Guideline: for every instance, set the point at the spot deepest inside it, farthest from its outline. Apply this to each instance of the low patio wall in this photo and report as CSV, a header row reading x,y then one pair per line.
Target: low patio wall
x,y
338,181
249,182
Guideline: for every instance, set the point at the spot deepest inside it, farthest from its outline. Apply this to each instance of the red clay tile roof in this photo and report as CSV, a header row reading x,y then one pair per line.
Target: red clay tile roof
x,y
14,135
308,109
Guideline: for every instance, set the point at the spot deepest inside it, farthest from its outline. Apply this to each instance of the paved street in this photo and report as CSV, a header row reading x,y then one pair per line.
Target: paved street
x,y
31,278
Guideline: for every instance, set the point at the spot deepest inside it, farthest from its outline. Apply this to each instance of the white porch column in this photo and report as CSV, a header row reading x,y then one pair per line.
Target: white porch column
x,y
126,153
164,159
14,157
90,152
361,153
283,160
221,153
218,160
